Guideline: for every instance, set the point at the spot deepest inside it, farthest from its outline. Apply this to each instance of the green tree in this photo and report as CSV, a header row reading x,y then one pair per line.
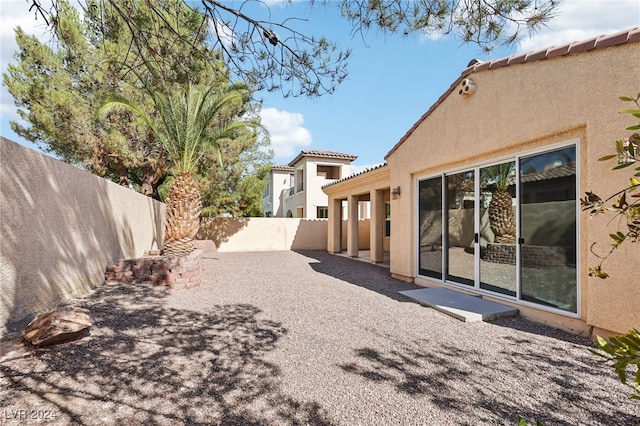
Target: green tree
x,y
280,56
193,122
625,203
59,91
622,353
236,189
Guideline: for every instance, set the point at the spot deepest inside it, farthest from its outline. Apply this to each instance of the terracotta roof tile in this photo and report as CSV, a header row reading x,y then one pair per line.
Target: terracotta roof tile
x,y
282,168
568,169
481,66
552,52
379,166
323,154
517,59
537,55
613,39
498,63
583,46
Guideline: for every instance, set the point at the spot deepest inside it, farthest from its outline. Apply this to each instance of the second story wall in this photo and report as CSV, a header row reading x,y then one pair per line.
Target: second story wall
x,y
311,170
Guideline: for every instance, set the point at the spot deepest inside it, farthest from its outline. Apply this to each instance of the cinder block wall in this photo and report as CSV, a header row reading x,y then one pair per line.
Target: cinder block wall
x,y
264,233
59,229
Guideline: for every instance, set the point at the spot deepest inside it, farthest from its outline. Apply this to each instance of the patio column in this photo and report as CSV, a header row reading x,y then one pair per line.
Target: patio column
x,y
376,233
334,239
352,227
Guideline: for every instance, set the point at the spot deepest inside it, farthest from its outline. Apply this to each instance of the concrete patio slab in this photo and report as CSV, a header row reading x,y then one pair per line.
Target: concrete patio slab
x,y
459,305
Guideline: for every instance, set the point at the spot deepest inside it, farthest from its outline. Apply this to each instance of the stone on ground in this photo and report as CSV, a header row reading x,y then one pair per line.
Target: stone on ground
x,y
58,325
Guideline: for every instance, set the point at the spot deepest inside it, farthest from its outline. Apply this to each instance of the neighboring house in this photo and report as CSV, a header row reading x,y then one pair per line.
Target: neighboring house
x,y
485,187
295,190
278,183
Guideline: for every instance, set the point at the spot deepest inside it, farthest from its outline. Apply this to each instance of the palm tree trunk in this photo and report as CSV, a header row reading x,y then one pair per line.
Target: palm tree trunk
x,y
183,216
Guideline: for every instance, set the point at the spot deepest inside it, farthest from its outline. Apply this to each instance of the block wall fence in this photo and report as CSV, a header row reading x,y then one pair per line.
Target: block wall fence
x,y
59,229
64,231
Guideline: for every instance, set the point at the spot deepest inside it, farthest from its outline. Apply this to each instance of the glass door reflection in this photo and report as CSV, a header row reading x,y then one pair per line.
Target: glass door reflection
x,y
430,227
548,228
460,199
498,272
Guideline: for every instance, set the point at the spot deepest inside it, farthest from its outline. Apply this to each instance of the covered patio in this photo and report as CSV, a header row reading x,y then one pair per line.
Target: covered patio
x,y
346,230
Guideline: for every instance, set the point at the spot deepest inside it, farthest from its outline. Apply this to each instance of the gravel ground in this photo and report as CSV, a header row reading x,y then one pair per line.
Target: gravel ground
x,y
282,338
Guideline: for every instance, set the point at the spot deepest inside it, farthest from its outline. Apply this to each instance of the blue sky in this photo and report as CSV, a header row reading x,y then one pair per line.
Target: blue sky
x,y
392,80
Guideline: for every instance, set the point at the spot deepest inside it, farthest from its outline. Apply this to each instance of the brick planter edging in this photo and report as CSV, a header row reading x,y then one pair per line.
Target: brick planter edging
x,y
532,256
172,272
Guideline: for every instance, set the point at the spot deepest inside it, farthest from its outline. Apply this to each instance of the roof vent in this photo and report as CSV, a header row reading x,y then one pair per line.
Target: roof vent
x,y
467,87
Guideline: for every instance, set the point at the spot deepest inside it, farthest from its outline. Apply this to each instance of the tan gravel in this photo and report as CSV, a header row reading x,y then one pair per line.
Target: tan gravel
x,y
282,338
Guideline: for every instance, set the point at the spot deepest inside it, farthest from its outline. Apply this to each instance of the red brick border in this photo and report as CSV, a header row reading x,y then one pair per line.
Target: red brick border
x,y
173,272
532,256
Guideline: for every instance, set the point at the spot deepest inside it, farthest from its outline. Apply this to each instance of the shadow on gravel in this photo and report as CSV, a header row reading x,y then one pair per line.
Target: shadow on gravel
x,y
146,364
493,389
522,324
362,274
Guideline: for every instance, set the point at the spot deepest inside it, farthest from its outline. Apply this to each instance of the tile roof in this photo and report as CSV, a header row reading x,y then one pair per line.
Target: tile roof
x,y
568,169
282,168
631,35
323,154
379,166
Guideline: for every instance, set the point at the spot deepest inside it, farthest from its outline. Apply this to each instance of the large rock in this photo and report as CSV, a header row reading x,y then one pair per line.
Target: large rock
x,y
57,325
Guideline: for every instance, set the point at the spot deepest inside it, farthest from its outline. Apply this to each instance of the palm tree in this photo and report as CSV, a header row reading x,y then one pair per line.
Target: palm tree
x,y
191,124
501,216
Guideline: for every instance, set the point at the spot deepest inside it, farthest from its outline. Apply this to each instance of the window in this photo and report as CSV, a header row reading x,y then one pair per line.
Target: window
x,y
430,227
387,219
299,180
509,228
267,189
328,172
322,212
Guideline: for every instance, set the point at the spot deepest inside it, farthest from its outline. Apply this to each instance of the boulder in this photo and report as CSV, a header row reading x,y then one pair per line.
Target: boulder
x,y
58,325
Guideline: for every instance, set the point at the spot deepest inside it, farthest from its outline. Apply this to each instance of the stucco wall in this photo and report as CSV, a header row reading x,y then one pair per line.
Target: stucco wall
x,y
264,234
364,233
365,185
61,227
524,107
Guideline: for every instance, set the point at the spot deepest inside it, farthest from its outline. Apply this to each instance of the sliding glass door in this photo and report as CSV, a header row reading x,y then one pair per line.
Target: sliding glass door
x,y
430,227
548,229
460,220
498,228
507,228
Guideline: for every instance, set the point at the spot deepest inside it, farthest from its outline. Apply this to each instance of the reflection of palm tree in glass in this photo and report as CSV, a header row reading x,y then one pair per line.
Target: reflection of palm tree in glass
x,y
501,216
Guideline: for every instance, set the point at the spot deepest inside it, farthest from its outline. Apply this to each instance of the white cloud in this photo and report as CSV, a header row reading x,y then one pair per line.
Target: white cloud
x,y
286,132
582,19
223,31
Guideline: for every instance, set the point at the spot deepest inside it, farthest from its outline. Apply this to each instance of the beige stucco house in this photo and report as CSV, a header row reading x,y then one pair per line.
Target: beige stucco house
x,y
295,189
279,182
485,188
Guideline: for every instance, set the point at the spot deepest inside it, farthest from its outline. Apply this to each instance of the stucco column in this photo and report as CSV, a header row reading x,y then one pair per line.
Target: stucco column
x,y
376,232
352,227
334,239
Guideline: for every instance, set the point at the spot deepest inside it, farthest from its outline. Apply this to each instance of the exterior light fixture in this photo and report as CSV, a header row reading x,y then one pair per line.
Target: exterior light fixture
x,y
395,193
